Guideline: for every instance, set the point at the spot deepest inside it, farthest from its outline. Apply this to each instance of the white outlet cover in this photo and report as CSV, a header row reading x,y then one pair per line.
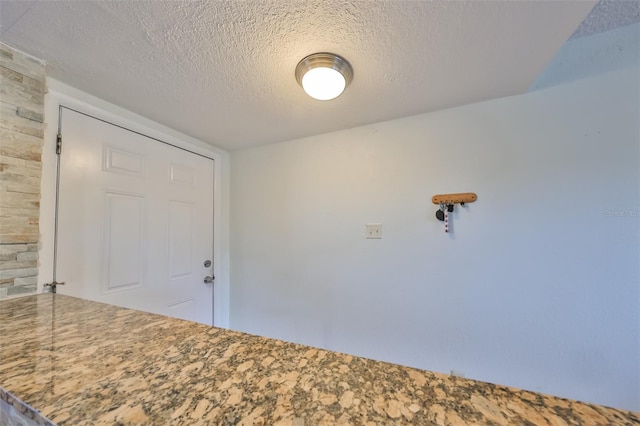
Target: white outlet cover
x,y
373,231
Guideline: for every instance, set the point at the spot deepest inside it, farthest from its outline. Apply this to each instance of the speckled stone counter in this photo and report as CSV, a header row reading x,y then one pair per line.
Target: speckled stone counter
x,y
82,362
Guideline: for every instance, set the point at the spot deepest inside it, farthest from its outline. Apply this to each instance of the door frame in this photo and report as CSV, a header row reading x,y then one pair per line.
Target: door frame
x,y
67,96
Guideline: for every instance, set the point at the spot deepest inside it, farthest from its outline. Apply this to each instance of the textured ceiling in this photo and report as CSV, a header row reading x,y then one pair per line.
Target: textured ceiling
x,y
608,15
223,71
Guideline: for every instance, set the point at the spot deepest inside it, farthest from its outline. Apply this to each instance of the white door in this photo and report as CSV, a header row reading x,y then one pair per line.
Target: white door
x,y
135,220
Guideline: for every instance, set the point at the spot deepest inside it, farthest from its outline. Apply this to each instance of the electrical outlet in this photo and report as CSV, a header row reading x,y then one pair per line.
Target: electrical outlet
x,y
373,231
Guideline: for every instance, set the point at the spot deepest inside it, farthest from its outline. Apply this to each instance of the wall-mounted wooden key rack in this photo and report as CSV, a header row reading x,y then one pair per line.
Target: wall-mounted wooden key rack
x,y
460,198
447,203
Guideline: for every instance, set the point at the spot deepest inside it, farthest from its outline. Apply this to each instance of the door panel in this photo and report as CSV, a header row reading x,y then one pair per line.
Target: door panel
x,y
124,241
135,220
180,239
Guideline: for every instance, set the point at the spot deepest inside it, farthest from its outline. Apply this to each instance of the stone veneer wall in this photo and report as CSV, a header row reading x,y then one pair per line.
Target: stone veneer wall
x,y
22,90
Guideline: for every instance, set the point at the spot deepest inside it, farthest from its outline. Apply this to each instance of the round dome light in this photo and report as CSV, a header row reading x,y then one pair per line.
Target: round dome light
x,y
324,76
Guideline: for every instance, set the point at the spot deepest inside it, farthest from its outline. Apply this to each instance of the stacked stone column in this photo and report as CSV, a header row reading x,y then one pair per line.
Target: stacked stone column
x,y
22,91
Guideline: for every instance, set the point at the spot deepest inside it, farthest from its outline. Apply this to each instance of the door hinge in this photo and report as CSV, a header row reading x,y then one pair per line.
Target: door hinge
x,y
59,143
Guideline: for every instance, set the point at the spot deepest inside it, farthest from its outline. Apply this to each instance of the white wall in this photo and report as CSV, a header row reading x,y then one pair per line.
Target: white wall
x,y
592,55
537,287
62,94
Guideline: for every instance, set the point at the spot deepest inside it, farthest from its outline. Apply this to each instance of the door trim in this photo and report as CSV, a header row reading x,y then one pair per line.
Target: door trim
x,y
61,95
61,107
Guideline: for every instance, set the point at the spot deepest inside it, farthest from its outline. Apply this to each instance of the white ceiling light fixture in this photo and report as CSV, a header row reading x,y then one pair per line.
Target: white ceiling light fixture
x,y
324,76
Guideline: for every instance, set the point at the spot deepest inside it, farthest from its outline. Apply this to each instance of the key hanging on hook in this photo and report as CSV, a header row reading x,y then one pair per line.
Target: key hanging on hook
x,y
440,213
446,221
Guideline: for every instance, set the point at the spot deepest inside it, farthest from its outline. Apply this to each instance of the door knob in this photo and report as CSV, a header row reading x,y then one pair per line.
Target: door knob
x,y
209,280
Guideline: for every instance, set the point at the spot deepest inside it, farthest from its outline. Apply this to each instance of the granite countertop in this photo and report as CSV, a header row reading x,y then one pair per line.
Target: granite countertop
x,y
82,362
